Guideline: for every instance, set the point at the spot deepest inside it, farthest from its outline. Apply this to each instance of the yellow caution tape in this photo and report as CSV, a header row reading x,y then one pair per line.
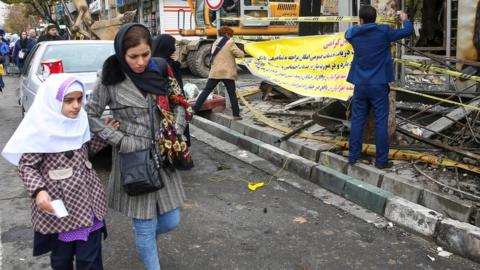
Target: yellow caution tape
x,y
239,40
436,98
256,38
248,39
250,92
439,70
348,19
366,148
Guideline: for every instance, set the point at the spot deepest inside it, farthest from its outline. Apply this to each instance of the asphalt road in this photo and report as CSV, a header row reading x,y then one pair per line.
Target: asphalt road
x,y
224,225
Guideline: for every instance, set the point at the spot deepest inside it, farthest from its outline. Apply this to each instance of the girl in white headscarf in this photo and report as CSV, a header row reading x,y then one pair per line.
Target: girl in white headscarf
x,y
51,148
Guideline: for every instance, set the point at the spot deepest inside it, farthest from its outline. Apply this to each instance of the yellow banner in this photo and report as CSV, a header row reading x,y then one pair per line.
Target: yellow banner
x,y
315,66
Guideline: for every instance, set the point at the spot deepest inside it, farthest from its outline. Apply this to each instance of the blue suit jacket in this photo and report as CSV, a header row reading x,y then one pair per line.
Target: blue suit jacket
x,y
372,60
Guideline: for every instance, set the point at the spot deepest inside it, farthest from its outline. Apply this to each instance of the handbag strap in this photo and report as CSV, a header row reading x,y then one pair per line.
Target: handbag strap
x,y
155,156
150,113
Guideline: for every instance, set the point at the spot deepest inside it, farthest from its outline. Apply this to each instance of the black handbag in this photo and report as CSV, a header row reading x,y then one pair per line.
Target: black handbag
x,y
140,170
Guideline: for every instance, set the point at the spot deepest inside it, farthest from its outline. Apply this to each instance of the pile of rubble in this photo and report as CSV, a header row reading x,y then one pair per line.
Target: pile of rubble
x,y
437,129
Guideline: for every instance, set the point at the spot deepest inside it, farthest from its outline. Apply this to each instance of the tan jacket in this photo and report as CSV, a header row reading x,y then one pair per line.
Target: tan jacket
x,y
224,66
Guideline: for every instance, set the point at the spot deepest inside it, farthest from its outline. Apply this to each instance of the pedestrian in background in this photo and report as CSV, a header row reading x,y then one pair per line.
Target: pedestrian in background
x,y
130,79
32,34
12,40
371,72
223,69
4,53
51,148
164,47
22,48
50,34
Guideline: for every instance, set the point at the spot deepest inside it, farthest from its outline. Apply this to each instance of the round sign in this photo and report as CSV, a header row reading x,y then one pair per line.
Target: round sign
x,y
214,4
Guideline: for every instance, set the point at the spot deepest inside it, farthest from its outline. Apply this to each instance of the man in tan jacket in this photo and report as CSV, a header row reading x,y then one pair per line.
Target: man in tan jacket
x,y
223,69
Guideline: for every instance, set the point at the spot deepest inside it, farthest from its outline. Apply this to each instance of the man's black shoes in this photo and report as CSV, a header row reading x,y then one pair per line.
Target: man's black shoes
x,y
387,165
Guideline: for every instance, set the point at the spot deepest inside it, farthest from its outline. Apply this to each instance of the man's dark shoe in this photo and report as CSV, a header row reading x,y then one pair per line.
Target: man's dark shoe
x,y
387,165
352,162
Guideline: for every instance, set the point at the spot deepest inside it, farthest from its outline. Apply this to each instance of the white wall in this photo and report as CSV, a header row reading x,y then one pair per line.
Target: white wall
x,y
169,16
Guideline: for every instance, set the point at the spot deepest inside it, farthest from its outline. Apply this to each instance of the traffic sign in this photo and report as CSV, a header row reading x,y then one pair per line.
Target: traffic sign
x,y
214,4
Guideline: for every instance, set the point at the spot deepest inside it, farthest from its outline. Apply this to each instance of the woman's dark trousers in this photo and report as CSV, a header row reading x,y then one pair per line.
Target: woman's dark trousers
x,y
211,83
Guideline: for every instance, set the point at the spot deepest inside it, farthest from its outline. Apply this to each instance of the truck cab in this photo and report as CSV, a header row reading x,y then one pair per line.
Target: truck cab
x,y
195,54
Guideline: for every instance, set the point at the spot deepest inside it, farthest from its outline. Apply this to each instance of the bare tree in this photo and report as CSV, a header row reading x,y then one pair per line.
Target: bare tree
x,y
41,7
17,18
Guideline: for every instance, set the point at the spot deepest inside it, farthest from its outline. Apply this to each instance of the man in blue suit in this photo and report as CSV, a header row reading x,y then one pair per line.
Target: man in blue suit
x,y
371,72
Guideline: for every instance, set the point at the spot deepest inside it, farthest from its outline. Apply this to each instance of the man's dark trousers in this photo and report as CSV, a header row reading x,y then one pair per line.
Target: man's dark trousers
x,y
366,97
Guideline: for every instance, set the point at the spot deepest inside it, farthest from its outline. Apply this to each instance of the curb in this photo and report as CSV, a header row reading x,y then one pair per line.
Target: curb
x,y
457,237
399,185
460,238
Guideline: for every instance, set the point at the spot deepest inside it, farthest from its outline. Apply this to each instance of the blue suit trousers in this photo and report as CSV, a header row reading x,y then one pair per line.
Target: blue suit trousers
x,y
366,97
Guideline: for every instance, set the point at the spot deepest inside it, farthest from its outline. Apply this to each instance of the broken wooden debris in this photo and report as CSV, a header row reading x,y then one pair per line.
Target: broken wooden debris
x,y
446,122
285,137
440,145
302,101
416,106
326,121
470,195
292,114
416,128
274,91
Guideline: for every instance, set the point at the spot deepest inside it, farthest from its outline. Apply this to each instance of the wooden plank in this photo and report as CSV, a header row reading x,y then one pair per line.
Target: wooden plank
x,y
446,122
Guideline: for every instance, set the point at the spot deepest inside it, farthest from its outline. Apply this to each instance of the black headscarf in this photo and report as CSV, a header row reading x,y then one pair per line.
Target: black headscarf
x,y
164,47
153,80
23,41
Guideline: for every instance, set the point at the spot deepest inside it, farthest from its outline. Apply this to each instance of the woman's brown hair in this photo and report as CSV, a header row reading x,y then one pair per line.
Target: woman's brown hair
x,y
136,36
225,31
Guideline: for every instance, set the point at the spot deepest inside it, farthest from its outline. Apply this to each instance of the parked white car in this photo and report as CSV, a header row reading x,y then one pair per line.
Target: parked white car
x,y
81,58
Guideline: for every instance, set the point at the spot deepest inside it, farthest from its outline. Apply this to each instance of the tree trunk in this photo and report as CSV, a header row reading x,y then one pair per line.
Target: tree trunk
x,y
369,130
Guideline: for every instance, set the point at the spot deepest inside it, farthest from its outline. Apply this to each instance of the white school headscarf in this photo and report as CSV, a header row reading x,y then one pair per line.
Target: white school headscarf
x,y
45,129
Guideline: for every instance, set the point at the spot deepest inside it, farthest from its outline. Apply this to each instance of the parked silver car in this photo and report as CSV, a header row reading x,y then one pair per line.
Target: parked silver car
x,y
82,58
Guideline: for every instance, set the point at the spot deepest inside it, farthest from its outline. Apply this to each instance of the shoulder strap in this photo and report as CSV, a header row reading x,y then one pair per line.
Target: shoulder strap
x,y
150,113
220,45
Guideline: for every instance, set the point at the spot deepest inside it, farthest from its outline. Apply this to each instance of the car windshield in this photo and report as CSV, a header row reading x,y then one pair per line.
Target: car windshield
x,y
79,57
